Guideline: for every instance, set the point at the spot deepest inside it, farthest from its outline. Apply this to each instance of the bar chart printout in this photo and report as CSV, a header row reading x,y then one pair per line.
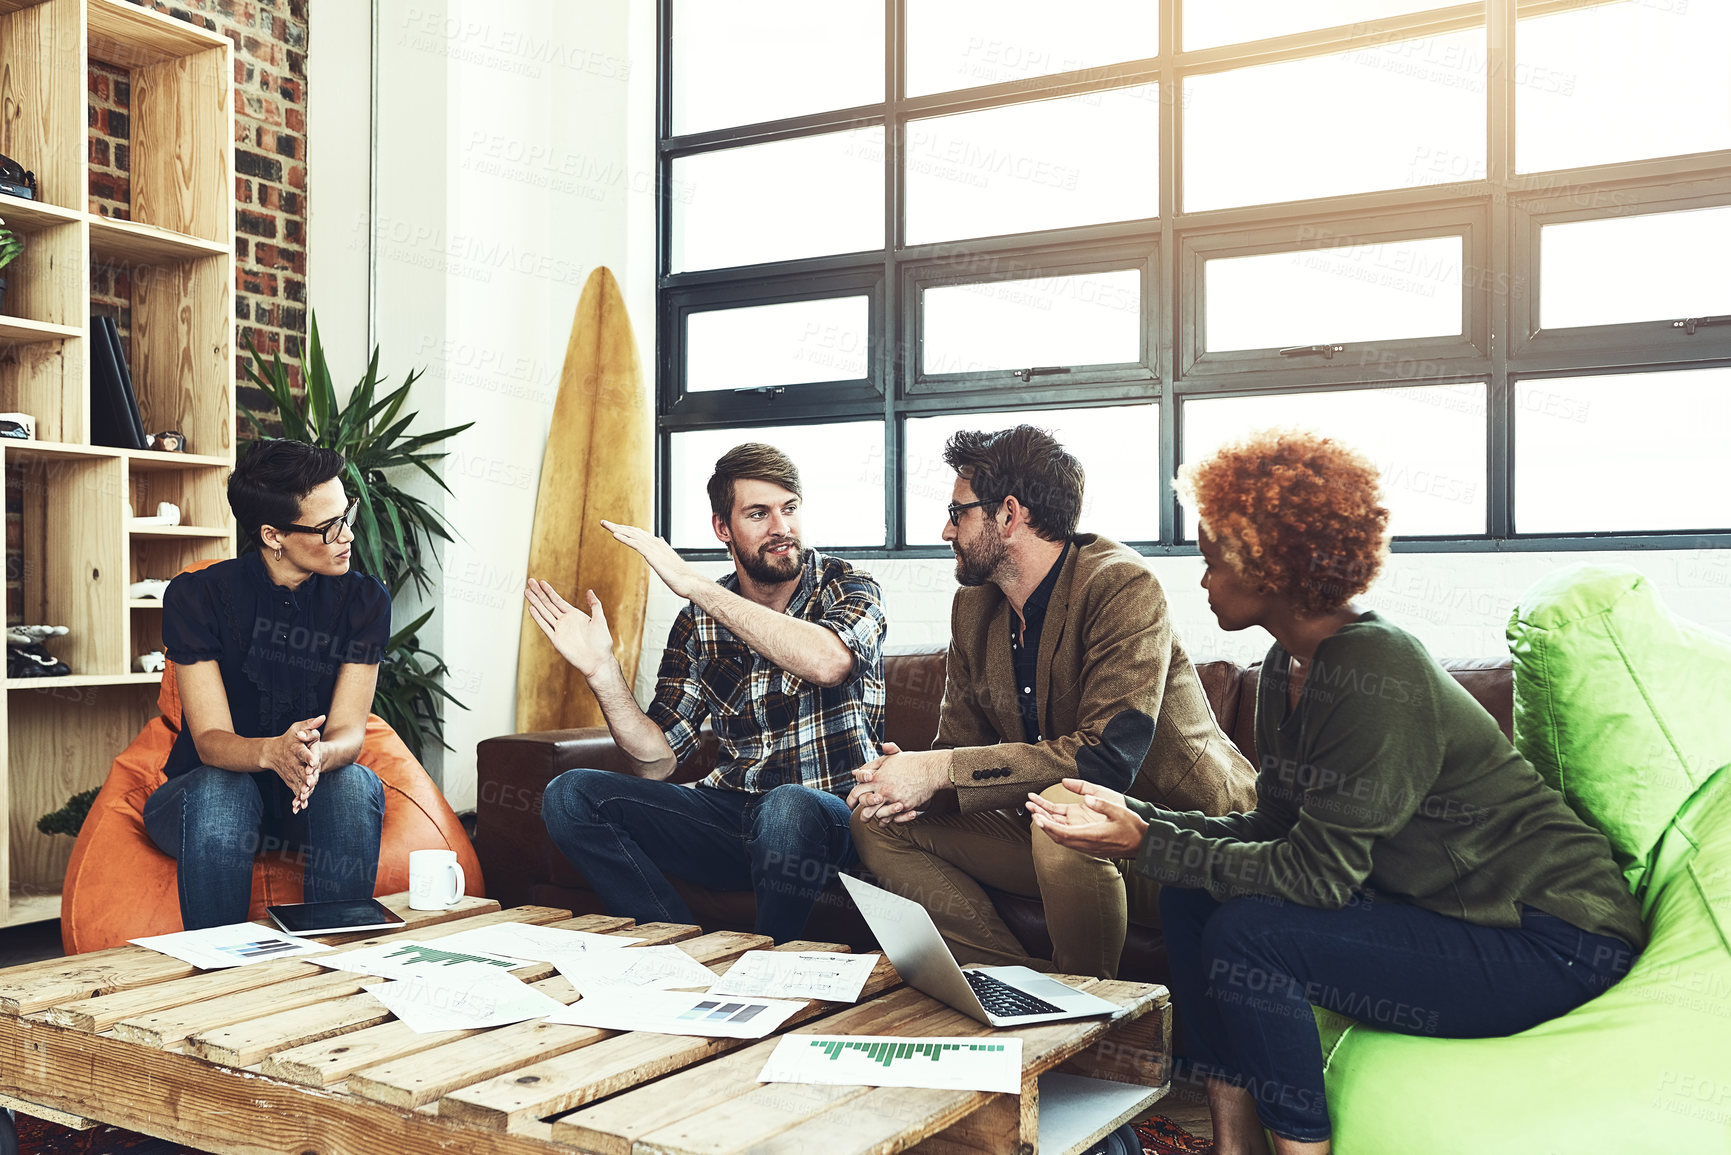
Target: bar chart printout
x,y
980,1063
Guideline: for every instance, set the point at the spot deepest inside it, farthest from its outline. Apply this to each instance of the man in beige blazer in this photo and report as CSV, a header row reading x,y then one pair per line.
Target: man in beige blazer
x,y
1062,663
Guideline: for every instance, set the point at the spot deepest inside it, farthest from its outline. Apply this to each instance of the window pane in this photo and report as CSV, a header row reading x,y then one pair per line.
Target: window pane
x,y
1621,81
1375,118
841,467
742,61
1049,164
1119,448
964,43
806,197
788,344
1089,319
1368,292
1656,267
1429,443
1208,23
1637,452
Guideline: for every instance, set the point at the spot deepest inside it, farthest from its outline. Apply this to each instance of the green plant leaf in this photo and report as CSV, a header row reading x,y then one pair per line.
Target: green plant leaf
x,y
353,422
403,636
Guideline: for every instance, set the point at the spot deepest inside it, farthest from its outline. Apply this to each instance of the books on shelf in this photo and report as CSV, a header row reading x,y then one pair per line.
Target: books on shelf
x,y
114,416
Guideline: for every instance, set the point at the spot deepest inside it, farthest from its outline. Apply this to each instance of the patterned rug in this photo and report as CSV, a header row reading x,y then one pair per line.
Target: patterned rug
x,y
1159,1135
38,1138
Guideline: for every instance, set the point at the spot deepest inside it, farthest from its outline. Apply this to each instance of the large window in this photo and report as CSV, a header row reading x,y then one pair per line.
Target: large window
x,y
1484,242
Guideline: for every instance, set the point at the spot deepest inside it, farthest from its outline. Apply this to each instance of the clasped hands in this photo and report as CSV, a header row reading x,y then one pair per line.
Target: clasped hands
x,y
894,786
297,757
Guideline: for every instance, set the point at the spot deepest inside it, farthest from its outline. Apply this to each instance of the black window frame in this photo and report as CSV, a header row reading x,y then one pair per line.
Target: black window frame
x,y
1500,343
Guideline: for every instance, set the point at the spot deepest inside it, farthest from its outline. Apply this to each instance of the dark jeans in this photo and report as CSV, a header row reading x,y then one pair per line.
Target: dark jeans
x,y
627,834
1245,973
213,821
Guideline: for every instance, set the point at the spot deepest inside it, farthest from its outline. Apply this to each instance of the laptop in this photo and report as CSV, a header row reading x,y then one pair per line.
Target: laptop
x,y
999,996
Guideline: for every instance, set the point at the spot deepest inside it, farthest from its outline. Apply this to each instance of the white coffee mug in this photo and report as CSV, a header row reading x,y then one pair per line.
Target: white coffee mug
x,y
436,879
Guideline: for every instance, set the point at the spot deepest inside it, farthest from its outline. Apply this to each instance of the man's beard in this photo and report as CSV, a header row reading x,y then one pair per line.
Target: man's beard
x,y
976,566
768,568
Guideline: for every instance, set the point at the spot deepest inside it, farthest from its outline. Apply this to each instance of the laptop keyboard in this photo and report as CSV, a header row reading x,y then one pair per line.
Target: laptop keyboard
x,y
1002,999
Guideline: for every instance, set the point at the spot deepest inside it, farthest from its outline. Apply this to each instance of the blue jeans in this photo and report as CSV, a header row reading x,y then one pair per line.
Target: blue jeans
x,y
627,834
1245,973
213,821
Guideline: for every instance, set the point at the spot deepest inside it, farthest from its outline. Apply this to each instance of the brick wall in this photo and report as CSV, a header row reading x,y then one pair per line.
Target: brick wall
x,y
270,73
270,40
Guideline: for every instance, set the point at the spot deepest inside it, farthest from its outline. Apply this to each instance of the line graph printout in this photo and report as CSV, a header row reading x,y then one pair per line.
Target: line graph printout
x,y
652,968
526,940
462,997
979,1063
784,974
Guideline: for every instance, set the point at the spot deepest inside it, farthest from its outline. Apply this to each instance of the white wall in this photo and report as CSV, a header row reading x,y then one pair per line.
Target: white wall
x,y
339,180
515,154
1457,604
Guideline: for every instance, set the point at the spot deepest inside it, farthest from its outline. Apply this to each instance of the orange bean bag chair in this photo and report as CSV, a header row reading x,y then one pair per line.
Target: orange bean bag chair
x,y
119,886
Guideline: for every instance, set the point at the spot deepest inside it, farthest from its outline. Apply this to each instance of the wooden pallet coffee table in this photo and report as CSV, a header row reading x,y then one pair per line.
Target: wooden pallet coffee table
x,y
287,1057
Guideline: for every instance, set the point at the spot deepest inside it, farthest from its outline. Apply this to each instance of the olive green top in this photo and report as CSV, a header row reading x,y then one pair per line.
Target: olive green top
x,y
1390,779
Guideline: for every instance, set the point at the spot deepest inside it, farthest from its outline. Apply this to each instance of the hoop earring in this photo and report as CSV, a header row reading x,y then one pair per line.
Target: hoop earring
x,y
279,553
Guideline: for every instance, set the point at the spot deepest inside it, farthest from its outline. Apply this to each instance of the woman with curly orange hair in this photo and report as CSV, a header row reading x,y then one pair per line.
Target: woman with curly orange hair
x,y
1404,865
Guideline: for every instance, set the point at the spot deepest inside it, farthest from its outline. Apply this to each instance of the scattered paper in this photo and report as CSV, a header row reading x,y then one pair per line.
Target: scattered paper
x,y
981,1063
462,997
407,959
837,978
675,1013
526,940
237,945
655,968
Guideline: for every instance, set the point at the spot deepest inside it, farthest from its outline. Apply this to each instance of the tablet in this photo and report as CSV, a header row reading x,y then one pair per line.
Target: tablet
x,y
315,918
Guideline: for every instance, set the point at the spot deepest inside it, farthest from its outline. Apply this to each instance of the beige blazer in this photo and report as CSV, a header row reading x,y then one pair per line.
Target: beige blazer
x,y
1112,681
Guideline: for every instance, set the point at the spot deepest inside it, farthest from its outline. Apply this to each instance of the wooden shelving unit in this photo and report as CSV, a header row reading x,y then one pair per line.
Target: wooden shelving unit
x,y
179,531
79,549
19,331
124,241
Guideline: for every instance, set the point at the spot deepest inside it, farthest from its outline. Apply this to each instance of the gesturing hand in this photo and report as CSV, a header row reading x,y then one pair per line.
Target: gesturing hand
x,y
582,639
662,558
1100,825
296,756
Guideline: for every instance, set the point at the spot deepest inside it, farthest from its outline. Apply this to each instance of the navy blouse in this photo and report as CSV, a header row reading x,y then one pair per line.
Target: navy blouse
x,y
279,650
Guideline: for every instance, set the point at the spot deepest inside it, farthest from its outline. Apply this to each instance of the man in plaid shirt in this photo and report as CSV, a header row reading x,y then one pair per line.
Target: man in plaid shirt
x,y
785,657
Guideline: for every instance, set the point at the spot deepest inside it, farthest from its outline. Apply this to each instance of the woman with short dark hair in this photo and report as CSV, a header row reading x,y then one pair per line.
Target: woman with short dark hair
x,y
1403,866
277,653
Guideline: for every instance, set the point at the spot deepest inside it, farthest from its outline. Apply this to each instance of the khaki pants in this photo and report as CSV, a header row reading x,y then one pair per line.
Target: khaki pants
x,y
940,861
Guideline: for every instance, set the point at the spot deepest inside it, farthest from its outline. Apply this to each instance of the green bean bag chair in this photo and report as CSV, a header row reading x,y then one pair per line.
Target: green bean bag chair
x,y
1626,710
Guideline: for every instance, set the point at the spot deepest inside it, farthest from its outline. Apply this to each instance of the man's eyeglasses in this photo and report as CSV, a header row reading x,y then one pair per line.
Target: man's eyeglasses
x,y
956,510
328,531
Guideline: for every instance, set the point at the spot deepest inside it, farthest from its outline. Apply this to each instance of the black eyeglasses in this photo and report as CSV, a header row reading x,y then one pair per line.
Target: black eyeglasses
x,y
328,530
955,510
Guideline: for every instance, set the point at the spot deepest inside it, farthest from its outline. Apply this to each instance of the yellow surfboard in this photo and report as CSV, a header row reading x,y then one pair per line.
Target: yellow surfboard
x,y
599,464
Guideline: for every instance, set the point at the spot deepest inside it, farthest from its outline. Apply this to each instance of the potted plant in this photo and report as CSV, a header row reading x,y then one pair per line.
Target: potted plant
x,y
10,247
394,529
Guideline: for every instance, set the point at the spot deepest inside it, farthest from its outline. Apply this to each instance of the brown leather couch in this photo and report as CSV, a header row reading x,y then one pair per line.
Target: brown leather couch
x,y
522,865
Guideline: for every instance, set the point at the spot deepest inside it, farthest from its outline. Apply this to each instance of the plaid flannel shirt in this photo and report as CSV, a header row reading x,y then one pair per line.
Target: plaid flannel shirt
x,y
773,726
